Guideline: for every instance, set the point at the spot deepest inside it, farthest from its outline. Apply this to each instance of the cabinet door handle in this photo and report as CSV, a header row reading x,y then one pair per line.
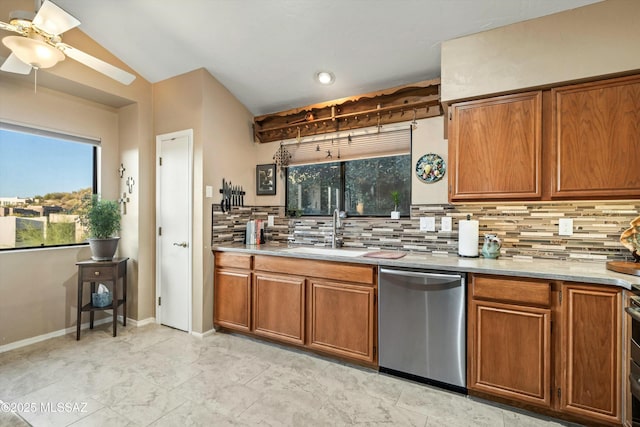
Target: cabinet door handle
x,y
182,244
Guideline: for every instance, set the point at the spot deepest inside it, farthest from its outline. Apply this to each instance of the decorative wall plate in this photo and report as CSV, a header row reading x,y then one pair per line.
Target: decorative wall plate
x,y
431,168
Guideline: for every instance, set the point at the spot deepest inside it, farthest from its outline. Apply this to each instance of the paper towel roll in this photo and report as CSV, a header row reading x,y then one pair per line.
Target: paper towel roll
x,y
468,237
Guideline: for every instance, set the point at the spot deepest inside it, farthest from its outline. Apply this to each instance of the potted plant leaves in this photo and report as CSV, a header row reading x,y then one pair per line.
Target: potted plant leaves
x,y
102,221
395,195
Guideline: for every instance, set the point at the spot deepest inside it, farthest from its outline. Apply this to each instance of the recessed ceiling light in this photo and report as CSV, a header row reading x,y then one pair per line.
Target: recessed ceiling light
x,y
325,77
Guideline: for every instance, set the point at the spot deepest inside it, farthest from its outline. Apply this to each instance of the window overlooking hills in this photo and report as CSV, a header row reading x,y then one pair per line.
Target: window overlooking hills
x,y
44,179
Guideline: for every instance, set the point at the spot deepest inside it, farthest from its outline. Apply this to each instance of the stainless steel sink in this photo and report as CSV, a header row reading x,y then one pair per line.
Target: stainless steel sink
x,y
325,251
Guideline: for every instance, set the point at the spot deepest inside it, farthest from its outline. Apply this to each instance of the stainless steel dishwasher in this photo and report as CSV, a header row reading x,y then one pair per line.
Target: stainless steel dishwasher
x,y
422,327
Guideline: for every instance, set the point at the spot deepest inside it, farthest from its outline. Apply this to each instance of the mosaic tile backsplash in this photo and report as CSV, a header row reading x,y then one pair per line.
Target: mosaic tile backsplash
x,y
527,230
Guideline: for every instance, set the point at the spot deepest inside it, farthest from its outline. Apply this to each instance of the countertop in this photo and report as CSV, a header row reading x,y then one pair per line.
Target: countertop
x,y
575,271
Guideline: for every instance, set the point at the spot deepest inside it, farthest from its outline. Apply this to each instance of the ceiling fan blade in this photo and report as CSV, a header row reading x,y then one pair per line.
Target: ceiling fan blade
x,y
53,19
97,64
8,27
15,65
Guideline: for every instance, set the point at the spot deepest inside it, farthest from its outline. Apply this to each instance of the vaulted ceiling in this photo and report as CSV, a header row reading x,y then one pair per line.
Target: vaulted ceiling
x,y
267,52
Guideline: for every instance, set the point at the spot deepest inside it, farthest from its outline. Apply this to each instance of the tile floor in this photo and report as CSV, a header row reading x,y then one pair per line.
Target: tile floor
x,y
154,375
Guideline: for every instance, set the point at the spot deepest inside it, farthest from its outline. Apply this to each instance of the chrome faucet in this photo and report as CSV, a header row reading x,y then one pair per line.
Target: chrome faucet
x,y
335,223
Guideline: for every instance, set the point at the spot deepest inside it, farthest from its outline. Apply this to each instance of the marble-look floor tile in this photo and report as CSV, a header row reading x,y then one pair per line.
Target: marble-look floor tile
x,y
443,407
23,377
56,405
126,386
518,419
338,377
239,368
164,377
10,419
226,398
196,414
361,408
281,407
104,417
143,406
165,372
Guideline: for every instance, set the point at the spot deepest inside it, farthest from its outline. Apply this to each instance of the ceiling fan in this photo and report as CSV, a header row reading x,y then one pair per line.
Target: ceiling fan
x,y
39,43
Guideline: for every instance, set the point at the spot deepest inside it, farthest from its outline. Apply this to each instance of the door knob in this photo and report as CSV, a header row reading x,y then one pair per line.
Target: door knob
x,y
182,244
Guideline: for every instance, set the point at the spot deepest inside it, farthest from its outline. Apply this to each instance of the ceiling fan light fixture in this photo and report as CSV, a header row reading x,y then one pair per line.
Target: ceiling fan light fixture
x,y
21,19
325,77
34,52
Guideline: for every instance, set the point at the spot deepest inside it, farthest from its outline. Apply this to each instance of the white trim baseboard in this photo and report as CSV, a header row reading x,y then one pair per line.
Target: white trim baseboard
x,y
143,322
203,334
71,329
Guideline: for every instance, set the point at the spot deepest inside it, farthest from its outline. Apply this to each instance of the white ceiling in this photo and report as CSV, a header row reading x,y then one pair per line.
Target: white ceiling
x,y
266,52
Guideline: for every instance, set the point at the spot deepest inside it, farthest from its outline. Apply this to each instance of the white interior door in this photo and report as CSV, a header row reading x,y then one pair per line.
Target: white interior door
x,y
174,222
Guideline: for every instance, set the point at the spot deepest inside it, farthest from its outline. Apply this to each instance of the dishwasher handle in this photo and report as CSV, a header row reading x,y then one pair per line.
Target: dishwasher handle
x,y
422,275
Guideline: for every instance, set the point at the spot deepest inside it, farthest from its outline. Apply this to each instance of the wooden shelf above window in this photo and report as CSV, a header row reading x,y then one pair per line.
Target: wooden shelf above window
x,y
399,104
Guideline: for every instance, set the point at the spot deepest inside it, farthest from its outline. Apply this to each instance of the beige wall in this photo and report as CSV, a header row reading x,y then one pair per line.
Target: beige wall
x,y
594,40
73,98
228,153
38,287
428,138
222,148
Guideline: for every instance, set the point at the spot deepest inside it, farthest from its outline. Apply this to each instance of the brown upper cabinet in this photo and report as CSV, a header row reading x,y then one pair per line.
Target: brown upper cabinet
x,y
596,139
578,141
495,148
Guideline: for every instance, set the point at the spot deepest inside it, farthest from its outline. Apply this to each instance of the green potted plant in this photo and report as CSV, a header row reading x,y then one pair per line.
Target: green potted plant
x,y
102,221
395,195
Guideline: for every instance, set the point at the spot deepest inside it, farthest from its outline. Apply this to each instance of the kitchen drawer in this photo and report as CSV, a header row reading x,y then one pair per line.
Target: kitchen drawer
x,y
233,260
511,290
92,274
356,273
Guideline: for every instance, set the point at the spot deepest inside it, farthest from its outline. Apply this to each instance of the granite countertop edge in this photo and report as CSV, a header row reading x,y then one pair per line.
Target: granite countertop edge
x,y
574,271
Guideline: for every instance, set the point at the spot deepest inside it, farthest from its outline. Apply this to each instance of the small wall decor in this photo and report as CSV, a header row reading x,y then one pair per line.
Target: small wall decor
x,y
430,168
130,183
123,202
266,180
121,170
282,157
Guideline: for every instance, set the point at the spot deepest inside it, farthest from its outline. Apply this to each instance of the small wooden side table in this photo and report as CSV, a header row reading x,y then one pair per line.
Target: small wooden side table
x,y
102,271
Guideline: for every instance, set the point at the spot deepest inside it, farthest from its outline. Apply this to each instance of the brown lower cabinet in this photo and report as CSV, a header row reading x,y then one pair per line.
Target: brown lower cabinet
x,y
232,302
328,307
279,307
342,319
550,346
590,350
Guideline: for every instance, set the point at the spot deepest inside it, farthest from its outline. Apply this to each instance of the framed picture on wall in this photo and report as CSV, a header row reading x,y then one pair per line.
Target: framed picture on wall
x,y
266,180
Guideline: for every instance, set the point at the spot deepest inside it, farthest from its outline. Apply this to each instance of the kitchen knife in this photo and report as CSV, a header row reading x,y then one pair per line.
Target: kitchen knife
x,y
236,196
224,192
229,196
241,196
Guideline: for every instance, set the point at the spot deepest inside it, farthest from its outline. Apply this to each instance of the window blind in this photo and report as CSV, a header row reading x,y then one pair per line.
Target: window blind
x,y
48,133
342,147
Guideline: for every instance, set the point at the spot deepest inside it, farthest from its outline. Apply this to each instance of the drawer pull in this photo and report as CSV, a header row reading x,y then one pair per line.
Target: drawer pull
x,y
96,273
